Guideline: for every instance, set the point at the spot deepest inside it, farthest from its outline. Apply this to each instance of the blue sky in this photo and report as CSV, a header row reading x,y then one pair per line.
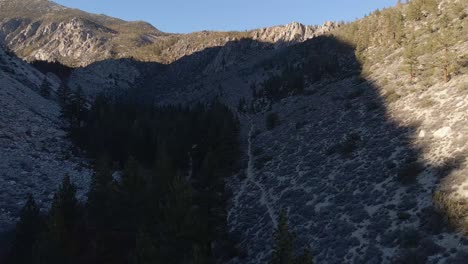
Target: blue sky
x,y
183,16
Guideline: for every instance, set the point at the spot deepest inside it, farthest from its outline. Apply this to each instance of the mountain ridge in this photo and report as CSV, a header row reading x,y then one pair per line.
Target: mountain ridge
x,y
76,38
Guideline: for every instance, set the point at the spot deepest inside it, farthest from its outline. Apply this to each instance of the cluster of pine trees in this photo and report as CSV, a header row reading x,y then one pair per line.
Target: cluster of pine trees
x,y
426,30
157,195
289,82
320,59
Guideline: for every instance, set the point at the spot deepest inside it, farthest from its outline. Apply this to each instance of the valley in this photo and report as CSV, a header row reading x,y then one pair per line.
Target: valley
x,y
358,131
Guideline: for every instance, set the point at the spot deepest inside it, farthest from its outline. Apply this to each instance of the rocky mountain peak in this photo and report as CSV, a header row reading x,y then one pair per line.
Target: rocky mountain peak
x,y
43,30
293,32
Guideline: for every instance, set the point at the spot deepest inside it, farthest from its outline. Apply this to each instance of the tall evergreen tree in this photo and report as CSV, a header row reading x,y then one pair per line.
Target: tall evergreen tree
x,y
411,57
99,203
75,109
59,243
27,233
63,95
444,57
284,240
431,6
178,220
44,89
415,10
305,258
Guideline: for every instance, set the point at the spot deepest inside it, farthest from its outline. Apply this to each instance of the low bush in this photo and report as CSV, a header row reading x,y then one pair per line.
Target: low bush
x,y
272,120
409,172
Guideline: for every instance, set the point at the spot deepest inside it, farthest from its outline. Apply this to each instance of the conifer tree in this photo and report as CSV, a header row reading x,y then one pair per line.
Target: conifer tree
x,y
415,10
74,109
59,243
99,196
132,181
305,258
45,88
26,233
444,57
284,240
146,248
398,25
64,213
79,101
63,95
411,57
283,249
430,6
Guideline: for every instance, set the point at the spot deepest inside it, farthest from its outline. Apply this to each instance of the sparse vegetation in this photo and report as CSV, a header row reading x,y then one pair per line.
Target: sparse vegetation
x,y
271,120
379,34
455,210
409,172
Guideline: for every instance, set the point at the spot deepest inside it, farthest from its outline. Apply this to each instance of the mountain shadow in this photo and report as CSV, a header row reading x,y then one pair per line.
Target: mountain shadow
x,y
355,183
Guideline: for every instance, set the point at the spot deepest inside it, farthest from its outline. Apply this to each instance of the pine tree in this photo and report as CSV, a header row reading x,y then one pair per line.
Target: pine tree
x,y
411,57
79,101
59,243
398,26
101,210
45,88
431,6
177,215
415,10
63,95
164,167
132,198
26,233
132,181
284,240
64,213
305,258
271,120
100,196
444,57
146,248
199,254
74,109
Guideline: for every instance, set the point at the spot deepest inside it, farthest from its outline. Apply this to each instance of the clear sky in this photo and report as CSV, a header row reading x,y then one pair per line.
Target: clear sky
x,y
183,16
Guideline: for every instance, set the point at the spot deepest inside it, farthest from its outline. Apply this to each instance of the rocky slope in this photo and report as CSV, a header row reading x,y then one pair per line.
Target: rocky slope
x,y
370,165
43,30
339,158
34,152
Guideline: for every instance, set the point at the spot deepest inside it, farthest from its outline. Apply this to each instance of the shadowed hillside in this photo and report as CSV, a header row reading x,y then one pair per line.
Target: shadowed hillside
x,y
351,169
359,135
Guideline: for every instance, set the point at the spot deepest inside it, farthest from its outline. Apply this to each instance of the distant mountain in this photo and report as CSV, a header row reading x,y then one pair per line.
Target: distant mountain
x,y
43,30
